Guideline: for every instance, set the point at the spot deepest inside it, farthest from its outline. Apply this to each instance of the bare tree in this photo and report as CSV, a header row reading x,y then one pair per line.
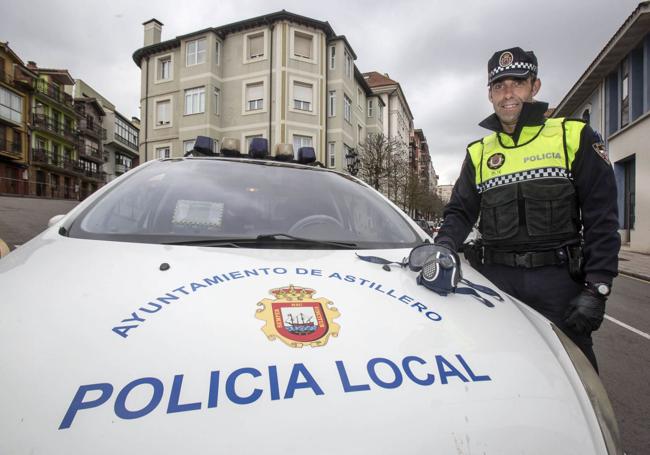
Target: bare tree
x,y
377,157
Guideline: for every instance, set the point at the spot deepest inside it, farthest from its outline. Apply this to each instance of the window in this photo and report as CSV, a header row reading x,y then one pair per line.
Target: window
x,y
163,112
381,114
56,120
331,154
301,141
217,53
217,96
359,97
348,65
248,141
332,57
165,68
625,92
302,45
195,52
347,103
195,101
331,103
11,105
126,133
255,46
163,152
302,96
370,108
188,146
359,134
254,96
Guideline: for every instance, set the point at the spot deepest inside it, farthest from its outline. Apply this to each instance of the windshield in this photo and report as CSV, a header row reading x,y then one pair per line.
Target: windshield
x,y
181,200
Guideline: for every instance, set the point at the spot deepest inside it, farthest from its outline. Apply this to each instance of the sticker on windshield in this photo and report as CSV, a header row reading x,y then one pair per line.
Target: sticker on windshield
x,y
198,213
298,319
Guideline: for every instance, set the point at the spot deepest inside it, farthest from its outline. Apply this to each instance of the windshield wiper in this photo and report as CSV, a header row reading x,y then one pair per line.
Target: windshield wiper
x,y
260,239
281,237
234,243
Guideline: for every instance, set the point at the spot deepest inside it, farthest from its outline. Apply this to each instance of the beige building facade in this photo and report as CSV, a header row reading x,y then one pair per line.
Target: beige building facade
x,y
283,77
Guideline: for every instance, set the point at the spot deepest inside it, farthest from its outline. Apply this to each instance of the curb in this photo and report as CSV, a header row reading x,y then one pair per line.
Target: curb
x,y
638,276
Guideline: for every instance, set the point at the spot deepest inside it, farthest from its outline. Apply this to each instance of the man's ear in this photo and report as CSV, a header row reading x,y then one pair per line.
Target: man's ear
x,y
490,94
536,86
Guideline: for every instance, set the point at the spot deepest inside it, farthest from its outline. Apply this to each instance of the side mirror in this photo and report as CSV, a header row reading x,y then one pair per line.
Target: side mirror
x,y
55,219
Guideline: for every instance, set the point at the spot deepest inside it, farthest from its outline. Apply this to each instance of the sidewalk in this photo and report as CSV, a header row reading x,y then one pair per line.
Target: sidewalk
x,y
634,264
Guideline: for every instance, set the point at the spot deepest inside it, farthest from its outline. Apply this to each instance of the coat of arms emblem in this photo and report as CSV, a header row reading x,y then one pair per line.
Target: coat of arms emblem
x,y
297,318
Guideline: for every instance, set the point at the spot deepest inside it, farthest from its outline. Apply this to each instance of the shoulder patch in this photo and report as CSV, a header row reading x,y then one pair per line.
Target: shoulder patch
x,y
601,151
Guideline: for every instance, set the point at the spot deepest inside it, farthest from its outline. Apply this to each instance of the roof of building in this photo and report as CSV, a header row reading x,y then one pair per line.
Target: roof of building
x,y
224,30
61,76
376,79
8,50
634,28
94,101
380,81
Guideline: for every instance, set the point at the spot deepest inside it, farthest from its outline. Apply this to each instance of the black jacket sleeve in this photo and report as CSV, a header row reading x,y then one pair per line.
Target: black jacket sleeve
x,y
462,210
596,189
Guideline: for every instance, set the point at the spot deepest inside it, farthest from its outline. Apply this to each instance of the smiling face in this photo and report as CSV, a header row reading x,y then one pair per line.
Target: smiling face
x,y
508,96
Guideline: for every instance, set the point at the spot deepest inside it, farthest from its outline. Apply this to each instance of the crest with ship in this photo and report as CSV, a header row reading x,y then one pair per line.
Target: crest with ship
x,y
297,318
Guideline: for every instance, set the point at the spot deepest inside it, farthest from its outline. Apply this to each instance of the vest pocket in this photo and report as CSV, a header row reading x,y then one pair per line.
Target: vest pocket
x,y
499,213
549,208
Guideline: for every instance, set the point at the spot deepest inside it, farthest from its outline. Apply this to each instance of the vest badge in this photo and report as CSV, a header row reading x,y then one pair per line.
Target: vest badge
x,y
297,318
496,161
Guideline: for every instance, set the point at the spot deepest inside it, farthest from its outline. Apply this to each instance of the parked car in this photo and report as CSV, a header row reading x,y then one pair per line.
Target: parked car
x,y
219,305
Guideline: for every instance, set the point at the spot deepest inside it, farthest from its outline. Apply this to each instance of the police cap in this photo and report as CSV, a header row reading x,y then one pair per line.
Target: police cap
x,y
513,62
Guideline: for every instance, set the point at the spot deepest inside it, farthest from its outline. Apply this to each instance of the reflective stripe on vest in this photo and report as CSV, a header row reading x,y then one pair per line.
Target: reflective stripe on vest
x,y
541,154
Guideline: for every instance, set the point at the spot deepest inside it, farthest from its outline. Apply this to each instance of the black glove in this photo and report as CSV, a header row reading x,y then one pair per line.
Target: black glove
x,y
585,312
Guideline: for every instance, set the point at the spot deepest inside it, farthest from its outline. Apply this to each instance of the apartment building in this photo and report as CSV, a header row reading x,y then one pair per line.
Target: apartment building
x,y
118,149
281,76
90,148
397,118
55,170
16,87
613,96
420,160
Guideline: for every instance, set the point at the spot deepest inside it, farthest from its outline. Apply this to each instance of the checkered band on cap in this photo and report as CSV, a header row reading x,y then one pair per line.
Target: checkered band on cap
x,y
541,173
514,65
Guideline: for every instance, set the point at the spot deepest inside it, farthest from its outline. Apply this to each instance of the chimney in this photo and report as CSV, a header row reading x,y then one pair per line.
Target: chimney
x,y
31,65
152,31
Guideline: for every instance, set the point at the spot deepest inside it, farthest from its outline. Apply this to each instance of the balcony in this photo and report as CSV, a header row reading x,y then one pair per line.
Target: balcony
x,y
93,153
46,123
44,157
126,142
99,176
18,80
11,149
93,130
54,93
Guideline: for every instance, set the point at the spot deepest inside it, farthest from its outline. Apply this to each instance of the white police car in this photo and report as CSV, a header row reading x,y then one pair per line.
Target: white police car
x,y
218,305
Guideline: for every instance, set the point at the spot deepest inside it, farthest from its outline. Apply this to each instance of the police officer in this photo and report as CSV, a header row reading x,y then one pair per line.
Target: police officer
x,y
545,194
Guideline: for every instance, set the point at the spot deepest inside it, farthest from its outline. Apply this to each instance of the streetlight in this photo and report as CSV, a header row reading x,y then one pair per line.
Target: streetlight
x,y
352,159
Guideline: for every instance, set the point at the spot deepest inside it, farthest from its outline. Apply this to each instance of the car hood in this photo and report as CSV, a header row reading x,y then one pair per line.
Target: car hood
x,y
142,348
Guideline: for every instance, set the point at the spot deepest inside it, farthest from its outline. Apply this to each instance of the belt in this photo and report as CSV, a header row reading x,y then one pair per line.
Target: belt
x,y
526,260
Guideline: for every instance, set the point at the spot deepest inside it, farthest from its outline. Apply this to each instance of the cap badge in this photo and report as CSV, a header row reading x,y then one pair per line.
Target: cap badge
x,y
505,59
297,318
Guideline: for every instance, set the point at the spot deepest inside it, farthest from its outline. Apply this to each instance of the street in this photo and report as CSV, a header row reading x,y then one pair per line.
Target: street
x,y
623,354
624,361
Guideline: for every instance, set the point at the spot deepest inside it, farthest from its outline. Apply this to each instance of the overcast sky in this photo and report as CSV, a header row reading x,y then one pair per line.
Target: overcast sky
x,y
437,50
